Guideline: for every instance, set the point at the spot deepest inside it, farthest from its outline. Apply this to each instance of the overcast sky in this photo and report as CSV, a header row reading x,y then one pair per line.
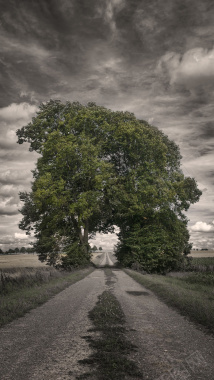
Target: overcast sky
x,y
151,57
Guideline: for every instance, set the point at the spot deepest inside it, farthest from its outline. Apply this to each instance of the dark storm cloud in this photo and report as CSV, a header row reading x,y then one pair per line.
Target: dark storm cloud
x,y
8,211
206,150
207,131
210,173
152,27
153,57
42,43
50,47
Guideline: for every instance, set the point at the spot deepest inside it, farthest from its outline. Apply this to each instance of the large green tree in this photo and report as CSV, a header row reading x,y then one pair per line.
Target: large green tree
x,y
99,168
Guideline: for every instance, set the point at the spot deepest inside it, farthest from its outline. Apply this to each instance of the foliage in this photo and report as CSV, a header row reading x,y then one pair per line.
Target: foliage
x,y
75,256
206,261
99,168
155,243
197,264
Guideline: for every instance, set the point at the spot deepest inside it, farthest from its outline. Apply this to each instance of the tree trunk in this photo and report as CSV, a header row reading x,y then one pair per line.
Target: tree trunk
x,y
86,236
83,236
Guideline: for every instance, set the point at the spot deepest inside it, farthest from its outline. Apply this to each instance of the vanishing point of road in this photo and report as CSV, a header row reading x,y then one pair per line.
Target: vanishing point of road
x,y
47,343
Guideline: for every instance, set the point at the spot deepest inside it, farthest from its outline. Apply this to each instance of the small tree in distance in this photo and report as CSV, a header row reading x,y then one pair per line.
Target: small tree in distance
x,y
94,249
100,249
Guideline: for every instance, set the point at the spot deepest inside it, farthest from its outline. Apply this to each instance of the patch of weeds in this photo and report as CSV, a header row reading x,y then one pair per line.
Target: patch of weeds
x,y
200,279
198,264
110,359
192,296
16,303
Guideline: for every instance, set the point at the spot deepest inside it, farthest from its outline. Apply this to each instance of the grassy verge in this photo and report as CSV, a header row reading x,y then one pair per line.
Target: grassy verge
x,y
206,261
109,359
27,291
192,295
198,264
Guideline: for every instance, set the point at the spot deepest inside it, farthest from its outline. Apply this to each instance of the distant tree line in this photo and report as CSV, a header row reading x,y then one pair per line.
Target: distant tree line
x,y
32,250
94,248
11,251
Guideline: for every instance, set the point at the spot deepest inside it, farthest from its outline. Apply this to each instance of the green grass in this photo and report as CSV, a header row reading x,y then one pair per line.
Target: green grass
x,y
12,279
192,295
203,261
30,291
111,348
198,264
198,279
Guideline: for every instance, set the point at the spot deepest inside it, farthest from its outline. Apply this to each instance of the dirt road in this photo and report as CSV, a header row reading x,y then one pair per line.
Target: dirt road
x,y
48,342
101,259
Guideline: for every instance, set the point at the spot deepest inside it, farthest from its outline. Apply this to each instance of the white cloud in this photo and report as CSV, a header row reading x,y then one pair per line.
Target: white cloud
x,y
14,176
20,236
8,207
15,111
195,67
202,227
7,191
106,241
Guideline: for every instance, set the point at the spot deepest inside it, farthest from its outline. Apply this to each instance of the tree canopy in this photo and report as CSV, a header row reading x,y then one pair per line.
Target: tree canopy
x,y
99,168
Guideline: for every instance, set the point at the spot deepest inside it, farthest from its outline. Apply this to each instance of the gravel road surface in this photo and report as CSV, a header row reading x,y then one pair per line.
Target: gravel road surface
x,y
101,259
106,260
48,342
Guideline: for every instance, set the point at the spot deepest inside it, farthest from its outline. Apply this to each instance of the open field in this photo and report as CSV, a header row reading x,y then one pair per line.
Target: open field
x,y
32,261
20,261
209,253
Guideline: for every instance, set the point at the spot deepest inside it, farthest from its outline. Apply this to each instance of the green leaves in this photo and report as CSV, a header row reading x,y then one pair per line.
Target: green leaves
x,y
99,168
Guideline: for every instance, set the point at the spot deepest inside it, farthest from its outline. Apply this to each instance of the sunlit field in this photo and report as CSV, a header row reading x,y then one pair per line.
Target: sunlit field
x,y
20,261
31,261
209,253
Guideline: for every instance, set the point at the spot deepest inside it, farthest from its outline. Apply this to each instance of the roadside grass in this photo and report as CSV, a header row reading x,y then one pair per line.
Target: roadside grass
x,y
203,261
111,348
20,260
198,264
12,279
26,288
192,295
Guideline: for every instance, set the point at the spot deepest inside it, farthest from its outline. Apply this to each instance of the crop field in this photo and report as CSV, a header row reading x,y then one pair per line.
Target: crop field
x,y
20,261
209,253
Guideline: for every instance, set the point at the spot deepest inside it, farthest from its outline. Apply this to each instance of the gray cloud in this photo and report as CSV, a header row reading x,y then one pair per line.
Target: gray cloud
x,y
207,131
153,58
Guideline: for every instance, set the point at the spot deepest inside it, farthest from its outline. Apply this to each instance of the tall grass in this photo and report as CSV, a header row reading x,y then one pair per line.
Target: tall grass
x,y
192,295
12,279
26,288
198,264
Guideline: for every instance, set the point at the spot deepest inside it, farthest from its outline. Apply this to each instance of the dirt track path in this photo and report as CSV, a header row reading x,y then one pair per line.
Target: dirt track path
x,y
47,343
170,347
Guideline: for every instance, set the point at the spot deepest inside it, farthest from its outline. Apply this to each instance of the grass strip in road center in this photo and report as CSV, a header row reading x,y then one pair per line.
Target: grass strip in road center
x,y
111,348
